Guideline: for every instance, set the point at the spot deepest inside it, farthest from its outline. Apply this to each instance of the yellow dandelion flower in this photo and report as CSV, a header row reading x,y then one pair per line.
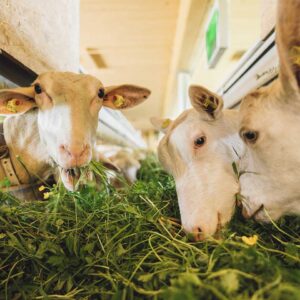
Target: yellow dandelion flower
x,y
47,195
41,188
251,240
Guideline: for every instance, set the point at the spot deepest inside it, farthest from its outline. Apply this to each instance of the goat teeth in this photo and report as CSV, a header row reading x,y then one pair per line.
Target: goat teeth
x,y
70,172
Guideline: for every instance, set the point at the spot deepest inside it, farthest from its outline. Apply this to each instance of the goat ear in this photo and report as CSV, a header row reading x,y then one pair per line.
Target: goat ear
x,y
106,162
288,43
124,96
16,101
161,125
206,101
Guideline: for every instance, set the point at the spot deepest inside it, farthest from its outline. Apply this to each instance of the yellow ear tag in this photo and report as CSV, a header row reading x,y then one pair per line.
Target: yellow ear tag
x,y
295,55
119,101
165,124
12,105
208,103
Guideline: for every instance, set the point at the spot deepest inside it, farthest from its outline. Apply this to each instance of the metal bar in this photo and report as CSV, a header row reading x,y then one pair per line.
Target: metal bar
x,y
15,71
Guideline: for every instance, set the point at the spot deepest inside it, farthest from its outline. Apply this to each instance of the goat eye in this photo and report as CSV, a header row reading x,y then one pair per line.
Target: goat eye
x,y
37,88
101,93
200,141
250,136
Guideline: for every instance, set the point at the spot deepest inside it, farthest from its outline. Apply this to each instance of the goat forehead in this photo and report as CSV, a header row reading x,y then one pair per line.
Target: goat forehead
x,y
180,133
184,134
185,131
254,112
69,83
259,102
194,126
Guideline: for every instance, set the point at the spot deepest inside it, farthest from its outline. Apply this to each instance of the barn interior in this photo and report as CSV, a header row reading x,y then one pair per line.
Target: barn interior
x,y
123,239
157,44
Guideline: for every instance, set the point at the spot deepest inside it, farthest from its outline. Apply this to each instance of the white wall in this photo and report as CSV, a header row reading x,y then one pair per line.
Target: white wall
x,y
42,34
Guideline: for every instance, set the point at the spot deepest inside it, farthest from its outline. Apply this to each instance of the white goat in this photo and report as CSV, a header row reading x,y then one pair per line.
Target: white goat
x,y
270,127
125,160
198,149
56,122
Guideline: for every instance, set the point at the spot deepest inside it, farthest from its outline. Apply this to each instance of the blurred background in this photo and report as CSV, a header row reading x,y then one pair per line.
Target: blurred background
x,y
164,45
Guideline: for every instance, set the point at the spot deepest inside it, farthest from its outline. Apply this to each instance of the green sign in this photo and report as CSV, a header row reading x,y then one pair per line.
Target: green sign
x,y
212,35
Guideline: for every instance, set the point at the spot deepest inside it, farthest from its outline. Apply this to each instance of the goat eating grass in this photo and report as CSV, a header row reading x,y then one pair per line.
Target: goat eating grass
x,y
53,123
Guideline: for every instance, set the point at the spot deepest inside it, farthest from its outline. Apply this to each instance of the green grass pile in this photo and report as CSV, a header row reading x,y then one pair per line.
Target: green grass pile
x,y
125,244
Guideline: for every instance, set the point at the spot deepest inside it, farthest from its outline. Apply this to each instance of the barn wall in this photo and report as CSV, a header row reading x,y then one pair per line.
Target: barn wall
x,y
244,30
43,35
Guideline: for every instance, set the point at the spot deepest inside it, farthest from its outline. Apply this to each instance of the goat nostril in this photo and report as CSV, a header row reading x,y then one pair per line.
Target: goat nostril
x,y
74,151
64,149
84,150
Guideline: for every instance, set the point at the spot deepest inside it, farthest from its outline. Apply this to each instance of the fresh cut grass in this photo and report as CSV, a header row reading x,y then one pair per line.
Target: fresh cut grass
x,y
103,243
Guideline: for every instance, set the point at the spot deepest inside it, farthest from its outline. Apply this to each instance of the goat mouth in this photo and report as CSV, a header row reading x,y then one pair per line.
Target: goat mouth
x,y
71,175
72,172
73,178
